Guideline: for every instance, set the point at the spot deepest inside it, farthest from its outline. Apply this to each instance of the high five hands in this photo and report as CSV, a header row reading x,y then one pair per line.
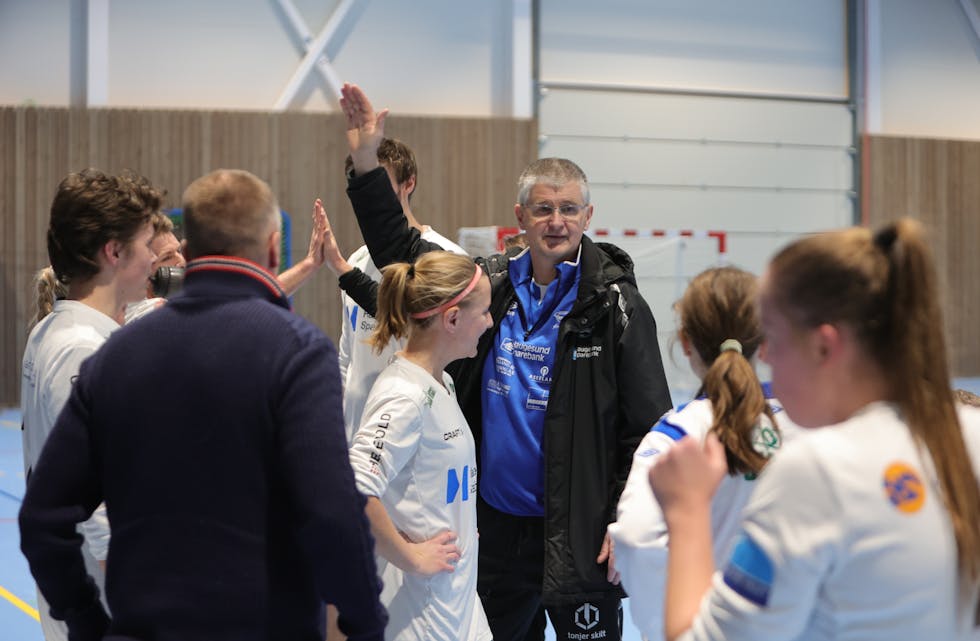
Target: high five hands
x,y
365,128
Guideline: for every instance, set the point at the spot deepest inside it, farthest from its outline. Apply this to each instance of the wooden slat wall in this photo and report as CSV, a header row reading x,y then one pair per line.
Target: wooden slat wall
x,y
468,170
938,183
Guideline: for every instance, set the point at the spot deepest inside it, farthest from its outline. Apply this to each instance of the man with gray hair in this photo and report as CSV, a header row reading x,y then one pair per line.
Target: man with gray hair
x,y
558,397
232,506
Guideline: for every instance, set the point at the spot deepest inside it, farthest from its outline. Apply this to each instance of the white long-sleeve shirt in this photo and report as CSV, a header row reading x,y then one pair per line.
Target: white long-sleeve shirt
x,y
845,538
55,350
359,365
640,533
415,453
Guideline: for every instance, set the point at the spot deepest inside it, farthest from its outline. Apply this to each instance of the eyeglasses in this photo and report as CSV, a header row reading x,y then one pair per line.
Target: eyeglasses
x,y
566,211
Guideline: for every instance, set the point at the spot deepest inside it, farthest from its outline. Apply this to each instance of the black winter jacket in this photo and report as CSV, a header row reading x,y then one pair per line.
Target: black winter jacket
x,y
608,386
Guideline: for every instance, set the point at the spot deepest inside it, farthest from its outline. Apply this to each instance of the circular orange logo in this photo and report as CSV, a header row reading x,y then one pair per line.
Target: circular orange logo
x,y
904,488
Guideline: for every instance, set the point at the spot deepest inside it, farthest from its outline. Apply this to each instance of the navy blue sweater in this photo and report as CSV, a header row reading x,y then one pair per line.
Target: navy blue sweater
x,y
212,429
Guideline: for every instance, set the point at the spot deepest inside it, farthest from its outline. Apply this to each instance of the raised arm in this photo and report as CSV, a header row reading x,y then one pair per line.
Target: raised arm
x,y
386,231
365,128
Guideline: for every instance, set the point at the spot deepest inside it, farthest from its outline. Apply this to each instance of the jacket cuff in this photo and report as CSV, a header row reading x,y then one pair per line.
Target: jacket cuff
x,y
85,624
350,279
356,182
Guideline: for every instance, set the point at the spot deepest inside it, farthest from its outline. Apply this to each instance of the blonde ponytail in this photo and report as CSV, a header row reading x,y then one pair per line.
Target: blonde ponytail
x,y
433,280
47,289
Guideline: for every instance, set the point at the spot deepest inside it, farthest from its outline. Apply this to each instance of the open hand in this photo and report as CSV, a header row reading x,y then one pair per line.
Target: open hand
x,y
315,254
365,128
328,249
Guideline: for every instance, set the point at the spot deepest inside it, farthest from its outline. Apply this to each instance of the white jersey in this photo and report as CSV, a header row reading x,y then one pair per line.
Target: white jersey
x,y
640,532
415,453
845,538
142,308
359,365
56,347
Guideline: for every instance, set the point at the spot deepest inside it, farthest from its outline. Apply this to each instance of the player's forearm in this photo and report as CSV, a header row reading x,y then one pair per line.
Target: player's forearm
x,y
294,277
388,541
690,565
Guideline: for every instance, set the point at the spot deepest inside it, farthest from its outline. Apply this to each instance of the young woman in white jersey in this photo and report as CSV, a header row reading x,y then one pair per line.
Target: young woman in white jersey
x,y
720,335
99,246
414,456
869,527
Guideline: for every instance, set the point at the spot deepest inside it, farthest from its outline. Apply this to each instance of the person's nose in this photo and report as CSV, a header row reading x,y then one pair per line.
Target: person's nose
x,y
554,218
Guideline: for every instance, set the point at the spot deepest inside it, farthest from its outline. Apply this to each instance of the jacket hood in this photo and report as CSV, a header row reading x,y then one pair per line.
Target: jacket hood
x,y
615,265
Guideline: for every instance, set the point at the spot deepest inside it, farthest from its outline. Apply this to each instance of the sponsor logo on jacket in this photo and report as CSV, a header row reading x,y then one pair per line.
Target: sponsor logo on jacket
x,y
543,375
588,351
503,366
525,351
537,400
558,318
496,387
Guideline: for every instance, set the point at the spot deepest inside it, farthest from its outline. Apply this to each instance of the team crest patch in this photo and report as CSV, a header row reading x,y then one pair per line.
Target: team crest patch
x,y
904,488
429,396
750,571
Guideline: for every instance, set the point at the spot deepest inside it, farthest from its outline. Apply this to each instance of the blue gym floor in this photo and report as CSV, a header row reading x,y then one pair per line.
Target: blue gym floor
x,y
18,605
18,597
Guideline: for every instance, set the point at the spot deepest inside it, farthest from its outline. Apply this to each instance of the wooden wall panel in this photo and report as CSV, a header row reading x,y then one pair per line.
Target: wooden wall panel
x,y
468,171
938,183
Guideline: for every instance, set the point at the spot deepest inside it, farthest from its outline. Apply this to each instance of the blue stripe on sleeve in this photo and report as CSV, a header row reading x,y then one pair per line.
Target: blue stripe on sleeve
x,y
675,432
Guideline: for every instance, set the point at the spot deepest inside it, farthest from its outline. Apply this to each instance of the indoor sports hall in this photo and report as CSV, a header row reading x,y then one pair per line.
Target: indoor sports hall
x,y
712,133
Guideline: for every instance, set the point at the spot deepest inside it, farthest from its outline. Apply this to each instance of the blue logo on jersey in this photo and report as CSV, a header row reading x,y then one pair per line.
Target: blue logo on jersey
x,y
750,571
353,317
454,483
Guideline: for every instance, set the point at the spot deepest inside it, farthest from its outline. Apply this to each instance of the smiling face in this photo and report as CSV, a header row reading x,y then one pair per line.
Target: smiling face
x,y
554,238
167,248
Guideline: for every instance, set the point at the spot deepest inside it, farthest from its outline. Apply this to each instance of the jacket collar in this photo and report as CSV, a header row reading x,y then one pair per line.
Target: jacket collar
x,y
234,276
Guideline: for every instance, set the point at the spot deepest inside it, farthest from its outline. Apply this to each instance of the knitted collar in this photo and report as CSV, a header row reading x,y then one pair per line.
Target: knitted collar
x,y
235,265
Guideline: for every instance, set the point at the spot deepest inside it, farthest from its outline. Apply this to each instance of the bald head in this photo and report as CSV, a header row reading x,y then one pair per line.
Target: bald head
x,y
230,212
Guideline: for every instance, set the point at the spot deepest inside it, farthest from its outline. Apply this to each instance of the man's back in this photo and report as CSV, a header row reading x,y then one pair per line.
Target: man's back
x,y
217,439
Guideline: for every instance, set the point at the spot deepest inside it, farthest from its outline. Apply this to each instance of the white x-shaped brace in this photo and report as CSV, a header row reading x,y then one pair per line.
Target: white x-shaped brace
x,y
314,51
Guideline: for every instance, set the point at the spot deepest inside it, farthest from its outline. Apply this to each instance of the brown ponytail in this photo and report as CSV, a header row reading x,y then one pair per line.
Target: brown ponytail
x,y
913,351
884,287
718,305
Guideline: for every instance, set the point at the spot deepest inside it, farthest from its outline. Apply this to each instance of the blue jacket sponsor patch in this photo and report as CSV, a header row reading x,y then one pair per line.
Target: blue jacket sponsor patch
x,y
749,571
